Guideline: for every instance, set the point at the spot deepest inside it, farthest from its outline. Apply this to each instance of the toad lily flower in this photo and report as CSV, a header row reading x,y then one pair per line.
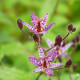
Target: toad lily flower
x,y
38,24
44,65
59,49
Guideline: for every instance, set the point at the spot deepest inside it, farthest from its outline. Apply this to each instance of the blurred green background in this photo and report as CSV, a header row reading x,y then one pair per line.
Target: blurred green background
x,y
15,47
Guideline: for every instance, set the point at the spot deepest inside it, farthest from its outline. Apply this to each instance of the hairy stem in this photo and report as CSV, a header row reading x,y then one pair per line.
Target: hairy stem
x,y
49,49
58,73
39,75
66,36
69,74
27,35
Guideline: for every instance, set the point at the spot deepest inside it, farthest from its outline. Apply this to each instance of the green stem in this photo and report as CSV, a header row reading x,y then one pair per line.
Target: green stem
x,y
58,72
39,75
69,74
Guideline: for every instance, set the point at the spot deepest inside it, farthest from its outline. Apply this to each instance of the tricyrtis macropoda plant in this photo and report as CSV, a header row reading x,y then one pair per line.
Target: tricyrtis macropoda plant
x,y
47,56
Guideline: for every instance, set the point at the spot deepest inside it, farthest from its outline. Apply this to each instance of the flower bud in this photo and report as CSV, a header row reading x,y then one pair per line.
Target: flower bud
x,y
19,23
68,63
58,40
77,38
75,66
74,29
73,40
70,27
36,38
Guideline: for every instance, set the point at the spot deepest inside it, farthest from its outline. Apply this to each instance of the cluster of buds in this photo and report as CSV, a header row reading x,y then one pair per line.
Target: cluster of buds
x,y
71,28
57,49
76,39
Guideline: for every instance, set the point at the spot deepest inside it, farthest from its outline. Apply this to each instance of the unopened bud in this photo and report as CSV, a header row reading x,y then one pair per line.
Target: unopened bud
x,y
75,66
19,23
58,40
70,27
74,29
36,38
68,63
77,38
73,40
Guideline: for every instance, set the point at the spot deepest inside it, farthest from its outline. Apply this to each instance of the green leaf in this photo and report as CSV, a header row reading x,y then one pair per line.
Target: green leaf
x,y
14,74
4,18
48,6
13,48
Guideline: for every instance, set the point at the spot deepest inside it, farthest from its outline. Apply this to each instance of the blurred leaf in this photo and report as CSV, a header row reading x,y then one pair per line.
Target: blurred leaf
x,y
13,48
48,6
9,4
4,18
60,20
1,53
5,37
67,77
13,74
61,9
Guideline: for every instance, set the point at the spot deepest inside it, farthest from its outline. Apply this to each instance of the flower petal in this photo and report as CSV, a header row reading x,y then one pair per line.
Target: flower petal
x,y
41,52
53,65
49,72
34,19
48,26
63,54
52,54
32,30
38,69
34,61
50,44
67,46
26,24
43,22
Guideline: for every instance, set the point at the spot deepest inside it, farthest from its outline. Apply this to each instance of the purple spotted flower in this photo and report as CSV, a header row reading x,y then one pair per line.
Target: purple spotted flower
x,y
43,63
39,25
60,50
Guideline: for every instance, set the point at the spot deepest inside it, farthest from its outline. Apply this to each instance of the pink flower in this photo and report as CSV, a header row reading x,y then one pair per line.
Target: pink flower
x,y
60,50
43,65
38,24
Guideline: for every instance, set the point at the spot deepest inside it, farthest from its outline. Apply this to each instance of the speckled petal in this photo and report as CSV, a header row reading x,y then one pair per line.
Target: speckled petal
x,y
50,44
34,19
34,61
52,54
66,46
63,54
53,65
43,22
26,24
41,52
48,26
32,30
38,69
49,72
